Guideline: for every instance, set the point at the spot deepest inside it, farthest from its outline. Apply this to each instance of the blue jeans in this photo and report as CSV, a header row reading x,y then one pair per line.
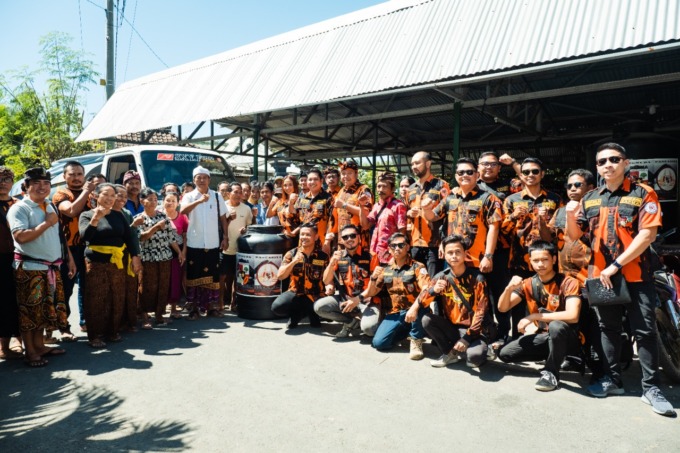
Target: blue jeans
x,y
394,328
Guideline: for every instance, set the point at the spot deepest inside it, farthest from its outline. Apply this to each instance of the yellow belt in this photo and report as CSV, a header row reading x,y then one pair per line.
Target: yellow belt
x,y
117,254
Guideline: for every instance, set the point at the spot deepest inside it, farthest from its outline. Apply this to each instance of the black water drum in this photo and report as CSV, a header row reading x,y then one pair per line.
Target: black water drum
x,y
260,252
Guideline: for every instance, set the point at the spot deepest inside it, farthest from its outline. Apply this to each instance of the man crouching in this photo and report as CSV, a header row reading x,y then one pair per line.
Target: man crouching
x,y
554,302
463,298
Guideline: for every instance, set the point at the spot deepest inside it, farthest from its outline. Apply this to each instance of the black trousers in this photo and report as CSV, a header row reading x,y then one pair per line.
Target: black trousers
x,y
643,324
429,256
445,334
551,346
78,253
497,280
290,305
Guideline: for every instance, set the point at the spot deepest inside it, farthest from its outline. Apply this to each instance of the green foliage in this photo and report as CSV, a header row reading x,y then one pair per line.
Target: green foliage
x,y
36,127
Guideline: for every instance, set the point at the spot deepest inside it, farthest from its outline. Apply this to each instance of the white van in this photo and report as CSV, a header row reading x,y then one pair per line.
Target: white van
x,y
159,164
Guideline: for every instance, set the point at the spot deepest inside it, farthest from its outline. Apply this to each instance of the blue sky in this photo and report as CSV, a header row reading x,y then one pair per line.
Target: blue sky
x,y
177,31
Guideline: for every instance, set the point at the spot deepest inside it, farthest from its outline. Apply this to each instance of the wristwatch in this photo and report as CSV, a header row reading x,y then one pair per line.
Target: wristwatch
x,y
488,256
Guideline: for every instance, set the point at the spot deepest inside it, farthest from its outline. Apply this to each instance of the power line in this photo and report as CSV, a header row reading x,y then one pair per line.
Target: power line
x,y
138,34
127,60
144,41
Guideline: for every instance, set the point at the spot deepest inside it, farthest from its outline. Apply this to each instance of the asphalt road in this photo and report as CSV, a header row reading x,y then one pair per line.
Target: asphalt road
x,y
234,385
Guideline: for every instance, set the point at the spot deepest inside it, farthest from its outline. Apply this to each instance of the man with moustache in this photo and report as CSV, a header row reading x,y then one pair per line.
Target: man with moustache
x,y
71,201
348,271
38,254
347,204
304,265
621,219
424,236
387,217
133,184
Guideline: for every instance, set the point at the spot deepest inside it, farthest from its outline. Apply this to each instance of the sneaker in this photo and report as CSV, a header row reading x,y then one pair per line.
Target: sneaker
x,y
605,386
347,328
446,359
659,403
416,349
547,382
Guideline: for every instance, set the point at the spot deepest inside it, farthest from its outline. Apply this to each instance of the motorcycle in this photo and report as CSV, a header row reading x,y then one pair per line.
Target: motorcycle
x,y
667,286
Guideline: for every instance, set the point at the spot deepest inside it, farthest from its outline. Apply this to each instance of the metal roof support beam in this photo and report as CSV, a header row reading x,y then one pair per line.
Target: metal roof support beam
x,y
196,130
256,145
457,108
558,92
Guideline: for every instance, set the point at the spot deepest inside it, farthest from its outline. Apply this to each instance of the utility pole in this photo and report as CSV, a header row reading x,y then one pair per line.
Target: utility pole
x,y
110,74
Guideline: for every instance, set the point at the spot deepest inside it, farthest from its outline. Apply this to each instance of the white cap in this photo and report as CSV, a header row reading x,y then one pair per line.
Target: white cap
x,y
200,171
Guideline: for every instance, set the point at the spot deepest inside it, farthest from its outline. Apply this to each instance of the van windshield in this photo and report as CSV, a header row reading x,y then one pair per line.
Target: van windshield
x,y
177,166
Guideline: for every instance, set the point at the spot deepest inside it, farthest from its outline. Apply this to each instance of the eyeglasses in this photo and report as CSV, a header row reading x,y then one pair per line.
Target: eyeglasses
x,y
465,172
533,171
489,164
7,179
612,159
578,185
398,245
349,236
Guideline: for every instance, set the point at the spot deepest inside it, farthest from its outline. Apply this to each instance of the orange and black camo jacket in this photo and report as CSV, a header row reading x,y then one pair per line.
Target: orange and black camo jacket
x,y
612,220
422,232
525,230
306,279
403,284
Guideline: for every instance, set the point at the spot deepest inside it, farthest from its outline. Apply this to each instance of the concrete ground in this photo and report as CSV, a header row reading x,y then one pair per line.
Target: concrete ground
x,y
230,385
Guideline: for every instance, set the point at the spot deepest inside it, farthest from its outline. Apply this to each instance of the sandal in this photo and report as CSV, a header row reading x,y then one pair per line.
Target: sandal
x,y
115,339
146,325
35,363
193,316
216,314
11,355
68,337
97,344
53,351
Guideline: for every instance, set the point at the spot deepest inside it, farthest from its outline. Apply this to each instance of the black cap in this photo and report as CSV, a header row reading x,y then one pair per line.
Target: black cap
x,y
37,174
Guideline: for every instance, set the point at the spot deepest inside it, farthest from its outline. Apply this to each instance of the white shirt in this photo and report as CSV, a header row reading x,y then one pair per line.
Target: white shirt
x,y
203,232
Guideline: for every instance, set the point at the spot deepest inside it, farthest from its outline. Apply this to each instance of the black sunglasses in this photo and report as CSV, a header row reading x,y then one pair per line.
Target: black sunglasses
x,y
465,172
349,236
533,171
578,185
612,159
399,245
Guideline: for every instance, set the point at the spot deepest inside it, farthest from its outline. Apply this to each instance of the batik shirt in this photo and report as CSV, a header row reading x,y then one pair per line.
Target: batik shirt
x,y
157,247
316,210
342,217
389,221
69,225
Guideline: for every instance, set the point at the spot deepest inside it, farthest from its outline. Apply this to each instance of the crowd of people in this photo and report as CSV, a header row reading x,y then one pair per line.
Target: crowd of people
x,y
491,269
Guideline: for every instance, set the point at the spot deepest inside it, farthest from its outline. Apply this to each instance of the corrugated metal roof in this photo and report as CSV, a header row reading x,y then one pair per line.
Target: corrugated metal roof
x,y
396,44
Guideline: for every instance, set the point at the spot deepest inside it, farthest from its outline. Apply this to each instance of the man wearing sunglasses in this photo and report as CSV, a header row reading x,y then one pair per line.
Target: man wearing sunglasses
x,y
621,218
424,236
404,278
527,213
470,212
573,256
350,269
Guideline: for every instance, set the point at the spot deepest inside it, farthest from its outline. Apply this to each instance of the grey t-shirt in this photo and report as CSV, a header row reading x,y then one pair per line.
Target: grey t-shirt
x,y
26,215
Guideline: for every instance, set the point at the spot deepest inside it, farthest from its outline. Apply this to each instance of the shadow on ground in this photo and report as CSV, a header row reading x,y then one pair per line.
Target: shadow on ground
x,y
40,414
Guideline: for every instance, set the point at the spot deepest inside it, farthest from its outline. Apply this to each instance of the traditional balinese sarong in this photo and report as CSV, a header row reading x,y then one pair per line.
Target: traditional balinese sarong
x,y
104,299
203,279
40,298
176,291
154,287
